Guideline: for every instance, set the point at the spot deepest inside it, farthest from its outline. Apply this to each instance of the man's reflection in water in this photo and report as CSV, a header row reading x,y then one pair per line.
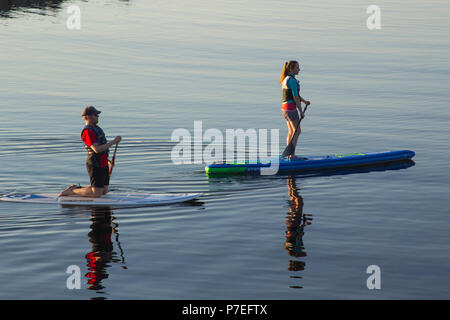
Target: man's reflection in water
x,y
102,252
8,8
20,5
295,224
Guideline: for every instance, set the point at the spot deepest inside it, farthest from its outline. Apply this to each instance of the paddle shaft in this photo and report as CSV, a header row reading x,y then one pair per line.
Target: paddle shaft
x,y
113,159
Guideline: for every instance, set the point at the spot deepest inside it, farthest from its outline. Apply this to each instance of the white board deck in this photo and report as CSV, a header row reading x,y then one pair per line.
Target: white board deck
x,y
110,199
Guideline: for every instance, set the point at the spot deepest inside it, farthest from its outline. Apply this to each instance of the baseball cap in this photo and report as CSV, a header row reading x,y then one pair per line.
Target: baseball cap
x,y
89,111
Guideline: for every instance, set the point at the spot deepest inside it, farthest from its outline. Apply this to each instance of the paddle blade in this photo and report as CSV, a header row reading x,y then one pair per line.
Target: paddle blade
x,y
289,150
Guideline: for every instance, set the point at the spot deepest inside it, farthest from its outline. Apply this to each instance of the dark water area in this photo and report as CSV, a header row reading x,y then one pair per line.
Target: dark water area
x,y
10,8
156,66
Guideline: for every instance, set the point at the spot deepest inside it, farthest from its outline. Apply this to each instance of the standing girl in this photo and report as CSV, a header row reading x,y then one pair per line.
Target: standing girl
x,y
291,101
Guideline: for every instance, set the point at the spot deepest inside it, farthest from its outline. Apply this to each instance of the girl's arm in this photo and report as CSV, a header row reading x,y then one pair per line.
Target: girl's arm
x,y
305,101
298,103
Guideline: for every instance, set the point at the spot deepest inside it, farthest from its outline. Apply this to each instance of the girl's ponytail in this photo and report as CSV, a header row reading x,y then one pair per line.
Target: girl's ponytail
x,y
287,67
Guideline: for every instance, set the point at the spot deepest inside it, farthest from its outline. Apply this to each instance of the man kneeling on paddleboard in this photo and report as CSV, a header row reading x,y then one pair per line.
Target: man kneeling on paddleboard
x,y
97,161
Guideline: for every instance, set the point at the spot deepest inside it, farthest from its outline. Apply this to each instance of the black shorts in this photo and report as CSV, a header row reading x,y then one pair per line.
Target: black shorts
x,y
291,115
99,176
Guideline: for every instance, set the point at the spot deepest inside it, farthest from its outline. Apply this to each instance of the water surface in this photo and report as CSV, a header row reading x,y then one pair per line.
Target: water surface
x,y
154,66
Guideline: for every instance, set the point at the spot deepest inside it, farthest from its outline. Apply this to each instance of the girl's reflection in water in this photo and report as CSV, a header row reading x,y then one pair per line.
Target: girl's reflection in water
x,y
102,252
295,224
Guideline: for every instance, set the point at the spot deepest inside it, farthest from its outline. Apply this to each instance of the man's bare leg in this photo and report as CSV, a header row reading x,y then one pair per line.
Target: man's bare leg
x,y
66,190
90,192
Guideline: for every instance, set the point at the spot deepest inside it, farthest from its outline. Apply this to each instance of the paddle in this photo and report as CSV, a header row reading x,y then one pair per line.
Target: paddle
x,y
290,147
113,159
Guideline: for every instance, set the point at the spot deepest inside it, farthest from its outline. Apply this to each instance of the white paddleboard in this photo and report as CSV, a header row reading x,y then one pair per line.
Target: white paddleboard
x,y
110,199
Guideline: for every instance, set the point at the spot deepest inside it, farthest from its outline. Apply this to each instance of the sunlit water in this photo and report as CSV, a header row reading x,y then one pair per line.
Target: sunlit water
x,y
155,66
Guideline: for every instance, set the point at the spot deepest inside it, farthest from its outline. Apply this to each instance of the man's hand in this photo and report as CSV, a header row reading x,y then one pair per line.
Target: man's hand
x,y
117,139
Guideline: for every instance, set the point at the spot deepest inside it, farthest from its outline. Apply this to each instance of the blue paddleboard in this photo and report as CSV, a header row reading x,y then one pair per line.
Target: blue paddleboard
x,y
310,163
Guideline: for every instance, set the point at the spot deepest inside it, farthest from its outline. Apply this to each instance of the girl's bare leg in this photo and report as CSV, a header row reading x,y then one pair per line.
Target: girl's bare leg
x,y
292,126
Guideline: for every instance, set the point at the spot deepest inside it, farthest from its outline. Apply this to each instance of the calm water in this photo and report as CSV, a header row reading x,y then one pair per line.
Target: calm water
x,y
154,66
